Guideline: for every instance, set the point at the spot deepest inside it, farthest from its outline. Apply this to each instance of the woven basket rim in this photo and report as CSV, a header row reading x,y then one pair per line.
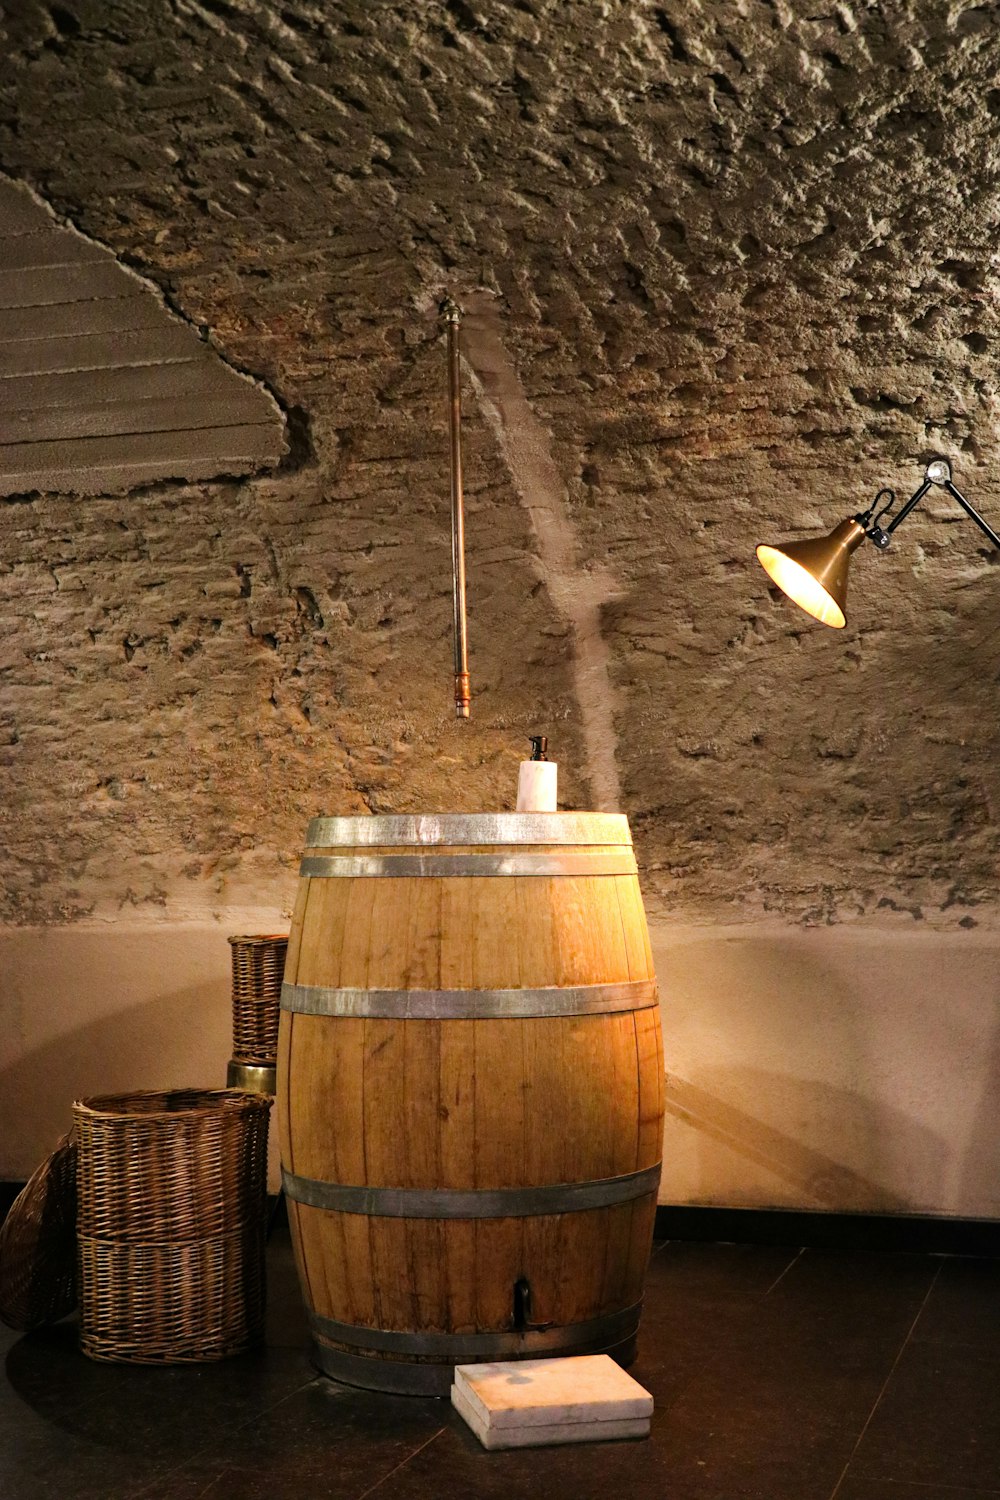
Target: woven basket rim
x,y
209,1102
260,937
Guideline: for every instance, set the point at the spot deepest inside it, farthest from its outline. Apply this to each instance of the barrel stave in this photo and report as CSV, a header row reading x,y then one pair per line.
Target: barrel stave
x,y
649,1061
502,932
420,1274
473,1104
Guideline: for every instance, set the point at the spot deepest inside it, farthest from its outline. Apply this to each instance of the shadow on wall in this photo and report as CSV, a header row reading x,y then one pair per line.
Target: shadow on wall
x,y
851,1069
179,1039
729,1140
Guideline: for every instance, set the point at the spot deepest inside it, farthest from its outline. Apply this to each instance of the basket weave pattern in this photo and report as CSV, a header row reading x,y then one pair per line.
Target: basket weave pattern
x,y
258,968
38,1244
171,1222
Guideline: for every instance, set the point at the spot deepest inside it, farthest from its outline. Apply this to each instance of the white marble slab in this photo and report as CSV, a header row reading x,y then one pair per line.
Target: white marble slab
x,y
547,1392
538,1434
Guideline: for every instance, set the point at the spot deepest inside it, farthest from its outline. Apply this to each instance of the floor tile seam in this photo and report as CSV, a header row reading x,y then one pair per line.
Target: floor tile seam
x,y
211,1484
717,1357
793,1262
885,1385
203,1452
165,1475
694,1302
401,1465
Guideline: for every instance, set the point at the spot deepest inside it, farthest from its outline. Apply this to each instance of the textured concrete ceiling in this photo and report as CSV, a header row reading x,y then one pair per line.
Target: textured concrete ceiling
x,y
729,269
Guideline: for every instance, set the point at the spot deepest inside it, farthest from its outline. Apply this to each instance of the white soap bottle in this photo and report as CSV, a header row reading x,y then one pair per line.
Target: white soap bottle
x,y
536,779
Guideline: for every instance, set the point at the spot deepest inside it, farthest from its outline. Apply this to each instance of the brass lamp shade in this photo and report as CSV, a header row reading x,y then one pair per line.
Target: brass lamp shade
x,y
814,573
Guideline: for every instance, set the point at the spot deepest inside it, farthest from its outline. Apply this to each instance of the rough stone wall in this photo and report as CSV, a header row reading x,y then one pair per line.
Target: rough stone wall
x,y
738,261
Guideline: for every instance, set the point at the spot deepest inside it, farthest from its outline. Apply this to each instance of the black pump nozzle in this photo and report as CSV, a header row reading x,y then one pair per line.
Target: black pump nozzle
x,y
539,745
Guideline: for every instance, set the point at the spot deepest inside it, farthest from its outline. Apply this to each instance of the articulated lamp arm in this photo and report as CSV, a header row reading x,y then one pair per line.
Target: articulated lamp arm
x,y
938,473
813,572
971,511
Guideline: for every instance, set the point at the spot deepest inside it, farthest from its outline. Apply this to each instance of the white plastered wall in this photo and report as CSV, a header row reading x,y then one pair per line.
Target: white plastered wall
x,y
842,1068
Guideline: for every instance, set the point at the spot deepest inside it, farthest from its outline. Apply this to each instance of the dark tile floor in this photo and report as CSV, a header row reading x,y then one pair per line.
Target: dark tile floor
x,y
779,1374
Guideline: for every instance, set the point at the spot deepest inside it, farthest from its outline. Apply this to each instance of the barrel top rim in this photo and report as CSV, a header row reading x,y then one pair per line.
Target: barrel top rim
x,y
469,828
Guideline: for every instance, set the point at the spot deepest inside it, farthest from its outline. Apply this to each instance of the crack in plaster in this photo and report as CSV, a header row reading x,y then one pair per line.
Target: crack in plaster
x,y
578,595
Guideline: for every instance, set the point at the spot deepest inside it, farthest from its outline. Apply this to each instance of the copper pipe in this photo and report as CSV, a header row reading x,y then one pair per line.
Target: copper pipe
x,y
453,315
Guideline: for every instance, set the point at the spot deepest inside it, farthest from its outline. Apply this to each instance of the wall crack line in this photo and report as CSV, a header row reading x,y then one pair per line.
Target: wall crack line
x,y
579,595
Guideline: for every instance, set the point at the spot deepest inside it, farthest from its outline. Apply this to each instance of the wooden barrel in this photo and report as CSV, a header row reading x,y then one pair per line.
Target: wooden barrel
x,y
470,1092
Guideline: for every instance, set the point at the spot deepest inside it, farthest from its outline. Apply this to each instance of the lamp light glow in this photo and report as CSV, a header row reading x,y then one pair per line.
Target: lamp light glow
x,y
814,573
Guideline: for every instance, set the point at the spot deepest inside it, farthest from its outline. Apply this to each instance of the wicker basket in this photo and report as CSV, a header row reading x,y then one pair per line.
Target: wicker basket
x,y
181,1303
38,1244
172,1212
258,968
